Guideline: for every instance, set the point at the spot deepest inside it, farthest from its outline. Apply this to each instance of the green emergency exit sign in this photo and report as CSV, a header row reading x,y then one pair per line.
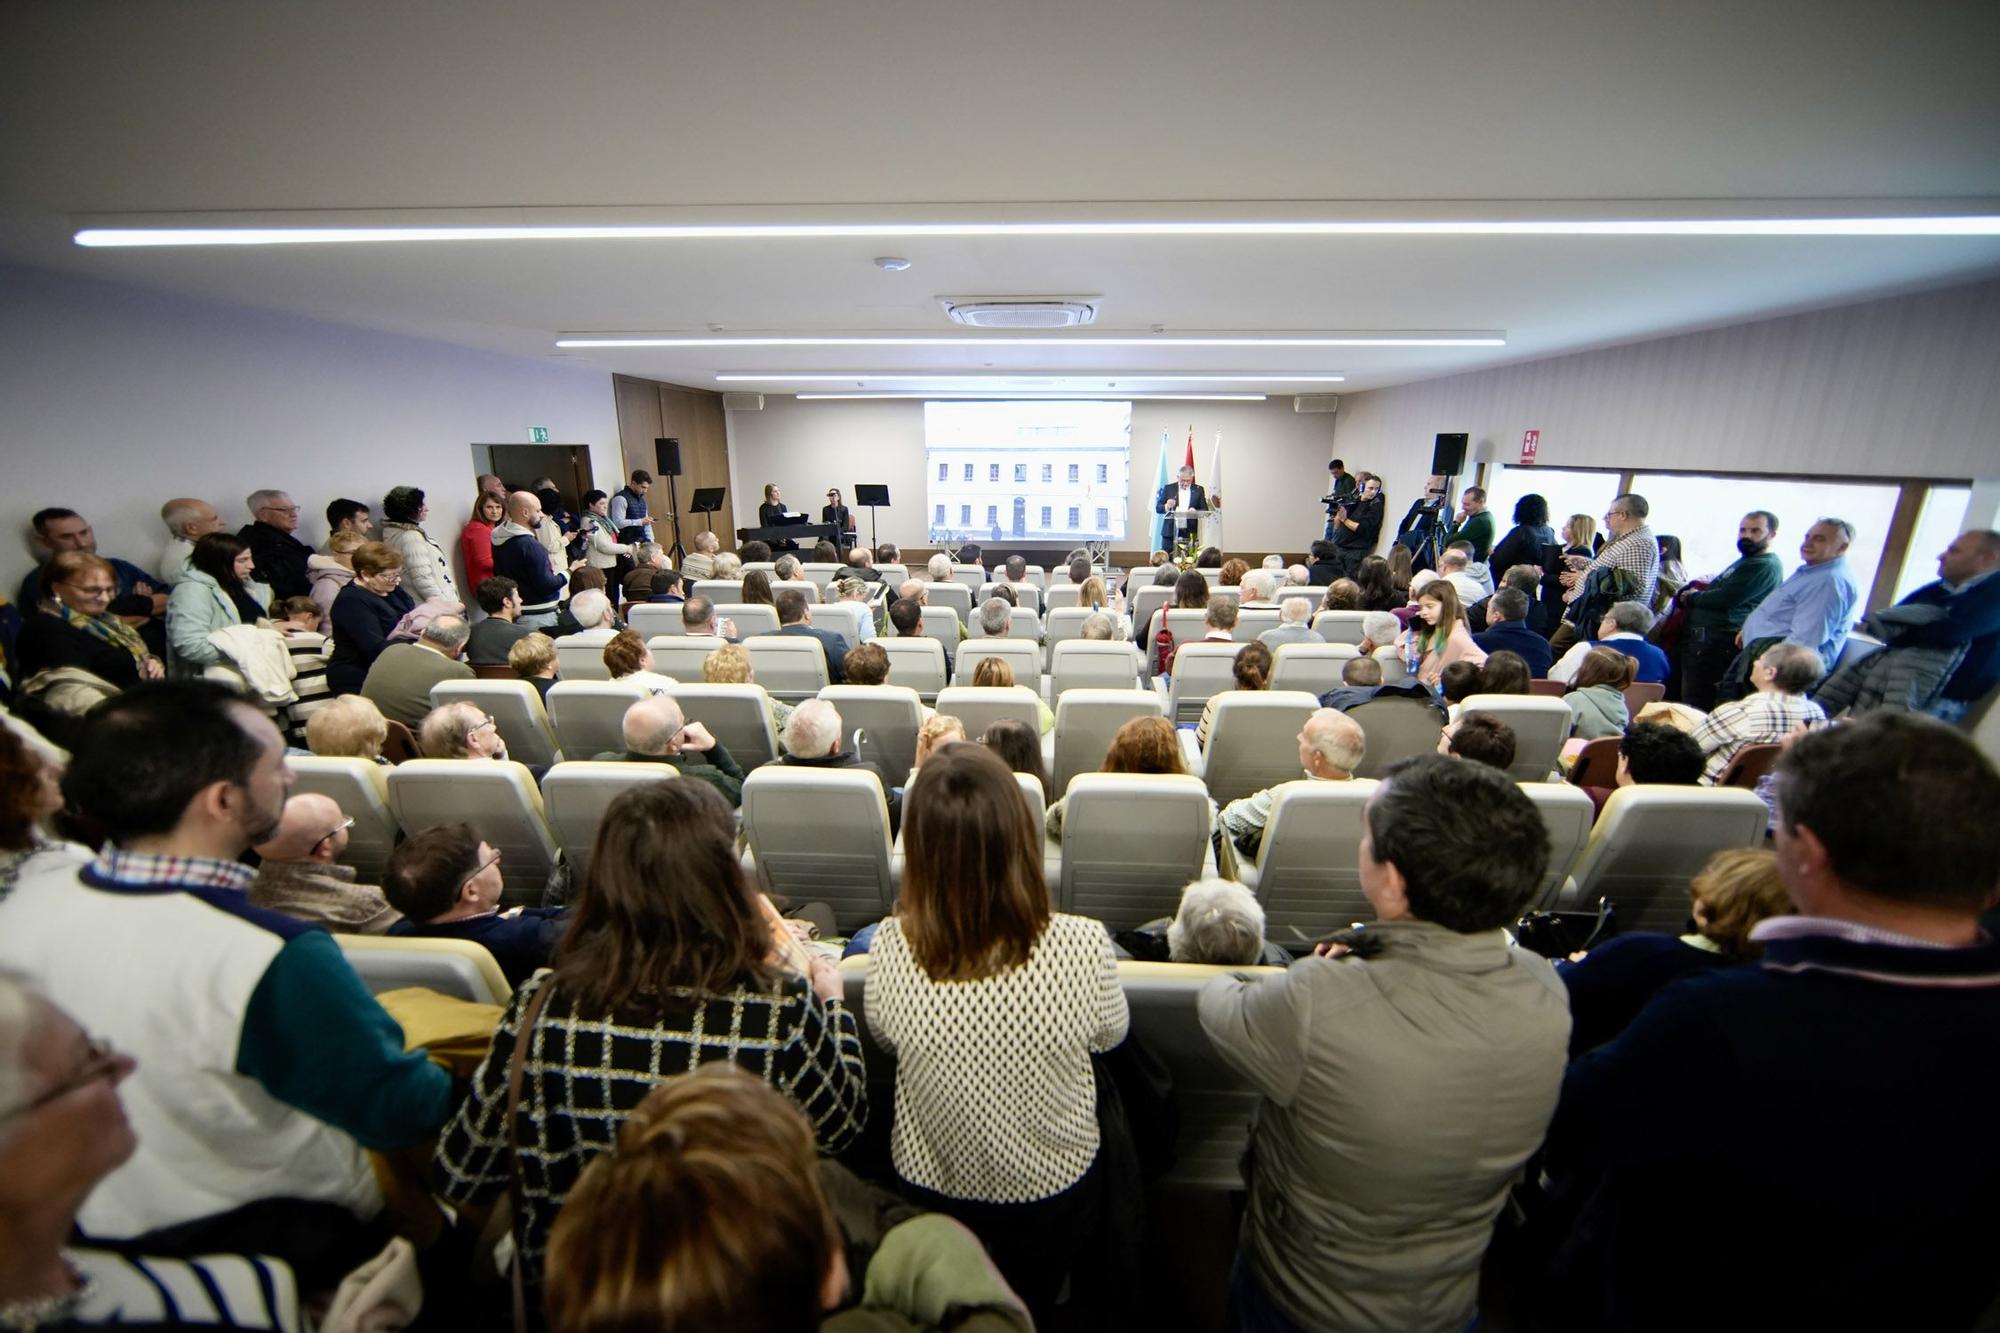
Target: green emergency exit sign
x,y
538,435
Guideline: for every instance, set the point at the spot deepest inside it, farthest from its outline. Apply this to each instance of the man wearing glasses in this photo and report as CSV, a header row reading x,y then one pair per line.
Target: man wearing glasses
x,y
301,875
1632,548
281,557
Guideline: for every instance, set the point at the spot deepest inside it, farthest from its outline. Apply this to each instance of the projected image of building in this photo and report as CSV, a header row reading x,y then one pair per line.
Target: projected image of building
x,y
1027,472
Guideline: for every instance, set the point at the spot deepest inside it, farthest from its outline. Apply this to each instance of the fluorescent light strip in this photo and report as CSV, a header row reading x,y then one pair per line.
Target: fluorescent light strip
x,y
1040,395
1000,380
1160,340
129,237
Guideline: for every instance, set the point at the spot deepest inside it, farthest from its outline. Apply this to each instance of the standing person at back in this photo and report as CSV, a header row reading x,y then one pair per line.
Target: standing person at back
x,y
1813,608
1632,548
1716,612
1357,526
1402,1088
518,554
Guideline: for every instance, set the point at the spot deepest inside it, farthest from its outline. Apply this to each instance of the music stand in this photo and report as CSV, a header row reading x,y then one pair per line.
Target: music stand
x,y
707,502
871,496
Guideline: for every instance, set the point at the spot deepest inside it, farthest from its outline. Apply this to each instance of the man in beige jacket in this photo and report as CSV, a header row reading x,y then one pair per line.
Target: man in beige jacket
x,y
1403,1084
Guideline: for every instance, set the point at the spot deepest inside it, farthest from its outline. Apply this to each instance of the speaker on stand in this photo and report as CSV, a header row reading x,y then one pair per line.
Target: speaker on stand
x,y
667,457
1448,455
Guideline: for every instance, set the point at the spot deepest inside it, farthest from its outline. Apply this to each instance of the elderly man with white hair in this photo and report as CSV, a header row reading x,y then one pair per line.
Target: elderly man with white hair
x,y
1294,624
1220,922
1260,588
280,558
460,731
1331,745
188,520
995,617
300,874
813,737
657,732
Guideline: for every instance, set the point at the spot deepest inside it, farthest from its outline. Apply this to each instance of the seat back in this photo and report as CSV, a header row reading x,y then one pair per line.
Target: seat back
x,y
739,716
1186,624
957,596
498,798
970,577
461,969
680,657
1308,866
1597,763
589,715
1254,741
1252,621
575,795
581,656
492,671
1566,813
1312,667
1749,766
1651,841
1131,842
1339,626
718,590
844,619
1306,592
804,587
647,619
751,618
1396,729
1092,664
1087,719
1060,596
917,663
821,574
515,707
887,718
1022,624
1548,689
1540,727
1065,623
1023,655
1151,598
1642,692
767,567
821,834
791,667
400,745
979,707
360,787
1025,599
1200,670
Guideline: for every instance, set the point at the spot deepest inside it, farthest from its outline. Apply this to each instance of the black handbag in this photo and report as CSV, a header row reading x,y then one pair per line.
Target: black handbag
x,y
1560,934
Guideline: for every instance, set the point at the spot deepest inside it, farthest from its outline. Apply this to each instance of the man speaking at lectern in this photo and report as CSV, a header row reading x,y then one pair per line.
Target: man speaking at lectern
x,y
1180,502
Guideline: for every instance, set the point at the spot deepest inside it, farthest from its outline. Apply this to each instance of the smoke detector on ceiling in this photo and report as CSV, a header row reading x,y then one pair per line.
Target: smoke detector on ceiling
x,y
1020,312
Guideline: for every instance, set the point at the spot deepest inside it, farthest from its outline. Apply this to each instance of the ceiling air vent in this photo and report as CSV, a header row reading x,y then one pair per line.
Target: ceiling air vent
x,y
1020,312
1315,402
743,402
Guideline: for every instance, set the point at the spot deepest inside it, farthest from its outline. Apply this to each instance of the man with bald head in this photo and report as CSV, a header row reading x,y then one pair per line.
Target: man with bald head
x,y
1331,745
518,554
1943,652
188,520
657,732
301,877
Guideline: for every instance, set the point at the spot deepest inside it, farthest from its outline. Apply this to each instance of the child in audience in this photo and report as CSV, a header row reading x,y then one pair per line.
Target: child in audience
x,y
1597,699
1504,673
1020,747
1438,634
1459,682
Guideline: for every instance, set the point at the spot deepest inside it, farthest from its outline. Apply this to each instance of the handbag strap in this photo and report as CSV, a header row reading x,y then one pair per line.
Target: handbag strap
x,y
517,1067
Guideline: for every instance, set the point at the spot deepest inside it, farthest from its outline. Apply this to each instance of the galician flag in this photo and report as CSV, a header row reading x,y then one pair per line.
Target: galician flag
x,y
1215,492
1159,484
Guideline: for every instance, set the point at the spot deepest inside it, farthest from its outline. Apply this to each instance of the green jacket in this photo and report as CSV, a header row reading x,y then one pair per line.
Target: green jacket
x,y
715,767
1728,600
1478,530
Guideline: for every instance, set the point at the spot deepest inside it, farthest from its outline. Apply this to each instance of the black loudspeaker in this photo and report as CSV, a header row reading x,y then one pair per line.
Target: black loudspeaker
x,y
1447,455
667,455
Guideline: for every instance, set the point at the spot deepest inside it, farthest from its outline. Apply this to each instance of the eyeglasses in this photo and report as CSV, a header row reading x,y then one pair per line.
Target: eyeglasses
x,y
93,589
484,866
100,1057
279,509
483,723
336,831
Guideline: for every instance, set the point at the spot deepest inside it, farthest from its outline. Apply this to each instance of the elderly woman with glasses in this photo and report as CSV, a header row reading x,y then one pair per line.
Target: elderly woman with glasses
x,y
73,626
364,614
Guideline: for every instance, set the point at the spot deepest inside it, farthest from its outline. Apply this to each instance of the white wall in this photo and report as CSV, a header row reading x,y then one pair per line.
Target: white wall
x,y
1274,465
118,398
1905,387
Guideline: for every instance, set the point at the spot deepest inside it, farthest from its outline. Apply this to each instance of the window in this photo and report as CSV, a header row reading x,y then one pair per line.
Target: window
x,y
965,516
968,472
992,472
1048,513
1048,473
1020,472
992,515
940,515
1568,491
1941,519
1103,516
1072,477
1103,475
1702,512
1074,511
944,471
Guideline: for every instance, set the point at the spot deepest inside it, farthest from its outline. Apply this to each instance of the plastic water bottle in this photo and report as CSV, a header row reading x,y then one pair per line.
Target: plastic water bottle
x,y
1413,656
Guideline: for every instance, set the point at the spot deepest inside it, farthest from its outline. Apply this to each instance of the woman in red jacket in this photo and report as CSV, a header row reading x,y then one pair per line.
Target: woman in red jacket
x,y
476,542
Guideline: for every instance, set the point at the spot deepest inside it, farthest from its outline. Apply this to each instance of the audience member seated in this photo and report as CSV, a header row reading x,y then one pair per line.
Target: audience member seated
x,y
1143,745
447,885
1459,682
66,1130
795,621
1505,672
756,553
1360,681
364,614
1252,671
728,565
699,562
1438,632
1369,1061
266,1067
592,618
280,558
1218,621
1379,629
656,732
1099,627
215,592
1260,588
1482,739
399,683
495,636
74,627
730,665
331,571
1331,747
937,729
670,963
1507,630
1776,707
1221,924
1863,1035
533,658
1092,595
698,619
348,726
188,520
1652,752
30,794
1341,595
1597,697
667,588
1943,653
866,664
461,731
814,738
998,673
993,1006
1524,579
299,871
518,554
757,589
1613,982
1326,564
629,660
1019,747
1624,629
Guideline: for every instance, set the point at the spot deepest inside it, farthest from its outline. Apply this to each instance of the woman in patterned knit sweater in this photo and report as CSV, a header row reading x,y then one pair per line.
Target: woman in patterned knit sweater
x,y
993,1006
669,962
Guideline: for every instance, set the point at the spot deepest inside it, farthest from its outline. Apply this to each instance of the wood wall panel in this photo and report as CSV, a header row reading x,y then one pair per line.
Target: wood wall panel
x,y
652,409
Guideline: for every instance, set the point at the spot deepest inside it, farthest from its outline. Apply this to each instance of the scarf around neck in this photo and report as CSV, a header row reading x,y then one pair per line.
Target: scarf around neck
x,y
107,627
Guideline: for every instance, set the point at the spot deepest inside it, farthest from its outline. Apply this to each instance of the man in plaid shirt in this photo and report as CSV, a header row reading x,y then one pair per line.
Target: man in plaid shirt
x,y
1632,548
1766,716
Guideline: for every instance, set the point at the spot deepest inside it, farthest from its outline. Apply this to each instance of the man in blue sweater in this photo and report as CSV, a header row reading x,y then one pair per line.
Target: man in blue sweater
x,y
1829,1109
1960,613
1507,630
519,555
